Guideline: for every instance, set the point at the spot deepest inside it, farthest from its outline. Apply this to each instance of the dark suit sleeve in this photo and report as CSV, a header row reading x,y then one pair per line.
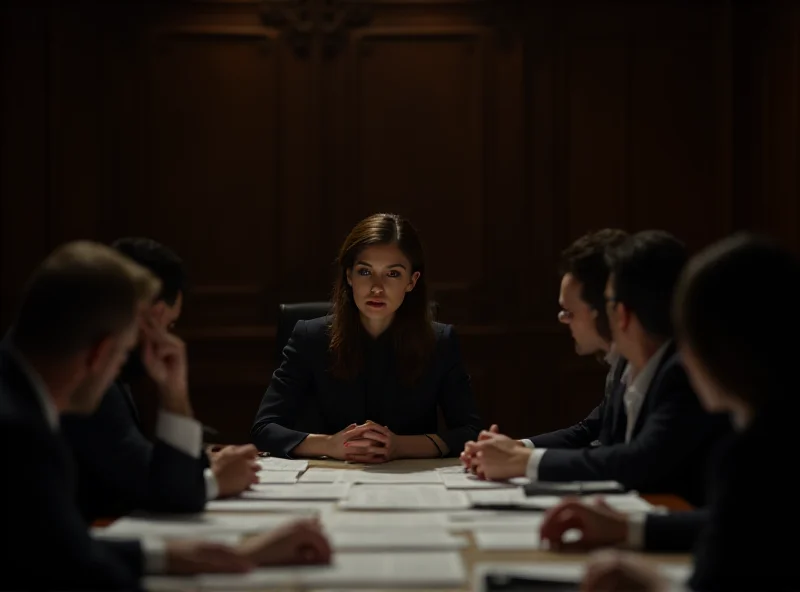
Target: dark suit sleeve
x,y
45,540
121,471
581,435
675,427
280,408
674,532
456,399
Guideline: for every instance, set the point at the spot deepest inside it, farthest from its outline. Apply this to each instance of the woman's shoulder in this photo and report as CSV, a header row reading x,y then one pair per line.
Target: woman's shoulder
x,y
442,331
314,330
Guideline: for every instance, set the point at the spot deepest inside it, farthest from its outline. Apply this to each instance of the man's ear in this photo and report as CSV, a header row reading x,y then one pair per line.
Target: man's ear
x,y
412,284
624,316
99,353
157,311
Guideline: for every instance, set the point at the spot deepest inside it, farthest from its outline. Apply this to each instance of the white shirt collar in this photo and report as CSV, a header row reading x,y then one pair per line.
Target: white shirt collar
x,y
612,355
642,381
39,387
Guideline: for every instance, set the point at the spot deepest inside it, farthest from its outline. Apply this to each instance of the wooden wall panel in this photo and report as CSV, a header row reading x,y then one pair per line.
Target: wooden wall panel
x,y
251,135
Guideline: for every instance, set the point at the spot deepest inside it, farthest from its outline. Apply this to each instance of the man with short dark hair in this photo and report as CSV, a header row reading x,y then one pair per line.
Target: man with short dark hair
x,y
81,315
584,273
119,469
659,436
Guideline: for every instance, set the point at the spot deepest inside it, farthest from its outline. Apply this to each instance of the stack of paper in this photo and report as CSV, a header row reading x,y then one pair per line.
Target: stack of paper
x,y
386,477
276,477
395,539
422,497
360,521
299,491
191,525
469,481
271,463
356,570
562,572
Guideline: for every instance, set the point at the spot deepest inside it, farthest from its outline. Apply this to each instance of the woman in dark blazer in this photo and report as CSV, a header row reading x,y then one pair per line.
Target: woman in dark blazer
x,y
743,361
364,383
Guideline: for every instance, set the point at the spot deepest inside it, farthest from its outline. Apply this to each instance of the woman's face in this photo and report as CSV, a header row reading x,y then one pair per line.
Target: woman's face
x,y
381,277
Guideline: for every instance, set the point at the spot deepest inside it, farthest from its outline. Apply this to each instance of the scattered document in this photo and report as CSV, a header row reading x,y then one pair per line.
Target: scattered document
x,y
319,475
298,491
470,481
622,502
238,504
272,463
496,497
482,519
390,570
191,525
452,470
422,497
395,539
563,572
386,477
275,477
508,539
378,520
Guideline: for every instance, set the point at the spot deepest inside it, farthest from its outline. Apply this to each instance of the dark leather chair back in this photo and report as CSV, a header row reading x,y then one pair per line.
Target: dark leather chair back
x,y
289,314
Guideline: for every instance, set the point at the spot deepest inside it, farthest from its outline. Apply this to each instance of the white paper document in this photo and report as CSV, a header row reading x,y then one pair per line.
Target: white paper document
x,y
421,497
508,539
470,481
320,475
452,470
496,497
622,502
193,525
485,519
438,569
275,477
272,463
395,539
378,520
254,505
565,572
390,477
298,491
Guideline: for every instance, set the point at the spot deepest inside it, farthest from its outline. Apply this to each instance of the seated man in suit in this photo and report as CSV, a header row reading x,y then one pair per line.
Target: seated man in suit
x,y
584,273
119,470
659,436
80,317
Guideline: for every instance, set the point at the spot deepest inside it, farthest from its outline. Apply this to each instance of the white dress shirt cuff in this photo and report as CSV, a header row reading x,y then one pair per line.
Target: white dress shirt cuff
x,y
212,487
636,523
527,444
532,471
154,552
180,432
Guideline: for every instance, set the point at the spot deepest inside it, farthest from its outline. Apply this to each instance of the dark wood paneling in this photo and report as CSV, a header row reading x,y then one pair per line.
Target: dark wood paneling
x,y
251,136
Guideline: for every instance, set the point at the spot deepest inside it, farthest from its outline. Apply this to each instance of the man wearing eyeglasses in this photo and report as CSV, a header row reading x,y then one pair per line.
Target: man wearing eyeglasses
x,y
654,436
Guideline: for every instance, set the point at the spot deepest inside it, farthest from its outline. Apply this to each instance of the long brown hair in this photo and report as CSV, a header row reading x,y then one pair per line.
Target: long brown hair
x,y
411,329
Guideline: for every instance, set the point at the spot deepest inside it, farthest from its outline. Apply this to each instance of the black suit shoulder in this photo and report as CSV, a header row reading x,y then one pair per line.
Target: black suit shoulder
x,y
40,519
669,447
732,553
121,471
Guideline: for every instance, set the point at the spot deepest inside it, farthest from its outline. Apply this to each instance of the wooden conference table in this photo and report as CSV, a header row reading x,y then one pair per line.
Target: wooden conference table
x,y
472,556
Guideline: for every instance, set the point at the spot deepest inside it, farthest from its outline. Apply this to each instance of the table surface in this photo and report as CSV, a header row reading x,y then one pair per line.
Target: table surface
x,y
472,556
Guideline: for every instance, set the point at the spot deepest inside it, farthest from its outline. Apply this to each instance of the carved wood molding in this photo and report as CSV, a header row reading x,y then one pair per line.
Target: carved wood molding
x,y
303,20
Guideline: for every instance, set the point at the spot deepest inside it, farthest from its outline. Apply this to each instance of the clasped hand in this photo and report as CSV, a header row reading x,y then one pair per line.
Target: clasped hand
x,y
366,443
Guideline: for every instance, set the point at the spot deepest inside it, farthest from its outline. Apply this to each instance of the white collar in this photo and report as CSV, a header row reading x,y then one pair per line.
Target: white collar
x,y
645,376
39,387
